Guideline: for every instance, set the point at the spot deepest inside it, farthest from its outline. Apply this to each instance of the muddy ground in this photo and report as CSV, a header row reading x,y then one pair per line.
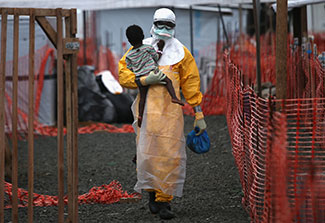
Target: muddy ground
x,y
212,191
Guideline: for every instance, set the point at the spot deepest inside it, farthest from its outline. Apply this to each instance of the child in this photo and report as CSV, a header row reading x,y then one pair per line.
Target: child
x,y
141,60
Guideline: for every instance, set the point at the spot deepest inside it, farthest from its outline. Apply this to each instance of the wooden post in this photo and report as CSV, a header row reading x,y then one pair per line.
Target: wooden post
x,y
4,15
47,28
72,106
31,115
75,134
67,72
60,114
74,120
281,49
14,119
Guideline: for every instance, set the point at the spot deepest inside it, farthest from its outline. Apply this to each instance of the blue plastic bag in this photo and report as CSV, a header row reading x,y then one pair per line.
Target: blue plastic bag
x,y
198,144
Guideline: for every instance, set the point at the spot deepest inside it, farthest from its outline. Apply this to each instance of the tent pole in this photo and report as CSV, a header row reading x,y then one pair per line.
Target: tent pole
x,y
223,26
240,24
85,37
257,5
191,30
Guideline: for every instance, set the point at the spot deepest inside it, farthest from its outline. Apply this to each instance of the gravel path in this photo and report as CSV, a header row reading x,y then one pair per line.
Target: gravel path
x,y
212,191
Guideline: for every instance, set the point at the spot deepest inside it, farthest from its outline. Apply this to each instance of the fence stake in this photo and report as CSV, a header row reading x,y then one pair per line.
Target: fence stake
x,y
74,120
60,115
14,120
31,116
281,49
4,15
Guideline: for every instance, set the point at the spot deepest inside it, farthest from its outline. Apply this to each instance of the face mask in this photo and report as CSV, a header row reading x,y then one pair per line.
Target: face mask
x,y
163,33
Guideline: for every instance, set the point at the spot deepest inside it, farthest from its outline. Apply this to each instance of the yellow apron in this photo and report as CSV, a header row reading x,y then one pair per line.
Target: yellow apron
x,y
161,156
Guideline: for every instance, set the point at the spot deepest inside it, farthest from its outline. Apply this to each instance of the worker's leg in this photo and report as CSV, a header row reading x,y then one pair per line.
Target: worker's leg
x,y
159,202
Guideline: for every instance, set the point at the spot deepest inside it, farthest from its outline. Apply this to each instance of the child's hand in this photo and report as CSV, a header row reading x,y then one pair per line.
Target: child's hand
x,y
161,44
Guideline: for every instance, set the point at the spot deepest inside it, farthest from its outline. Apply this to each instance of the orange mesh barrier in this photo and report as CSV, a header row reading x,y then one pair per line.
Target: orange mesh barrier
x,y
104,194
40,62
102,58
242,55
52,130
280,155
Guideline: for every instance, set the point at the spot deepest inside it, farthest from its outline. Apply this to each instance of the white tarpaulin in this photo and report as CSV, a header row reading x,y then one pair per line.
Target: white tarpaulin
x,y
298,3
114,4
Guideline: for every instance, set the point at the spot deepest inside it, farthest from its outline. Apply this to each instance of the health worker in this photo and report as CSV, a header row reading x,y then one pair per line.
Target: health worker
x,y
160,142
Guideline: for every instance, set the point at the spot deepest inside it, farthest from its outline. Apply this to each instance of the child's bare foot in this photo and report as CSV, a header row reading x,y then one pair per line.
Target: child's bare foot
x,y
139,121
176,100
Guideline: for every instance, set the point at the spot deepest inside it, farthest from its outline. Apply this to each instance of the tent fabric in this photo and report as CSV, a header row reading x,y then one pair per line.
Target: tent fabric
x,y
122,102
97,104
114,4
92,104
298,3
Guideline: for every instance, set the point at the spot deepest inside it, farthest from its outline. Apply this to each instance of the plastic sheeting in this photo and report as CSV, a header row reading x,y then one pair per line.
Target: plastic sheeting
x,y
122,102
92,104
113,4
96,103
299,3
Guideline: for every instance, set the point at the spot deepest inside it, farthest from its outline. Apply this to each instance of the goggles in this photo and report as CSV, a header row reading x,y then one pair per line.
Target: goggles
x,y
163,24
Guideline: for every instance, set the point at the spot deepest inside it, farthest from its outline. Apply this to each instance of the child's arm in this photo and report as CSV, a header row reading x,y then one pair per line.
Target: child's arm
x,y
160,45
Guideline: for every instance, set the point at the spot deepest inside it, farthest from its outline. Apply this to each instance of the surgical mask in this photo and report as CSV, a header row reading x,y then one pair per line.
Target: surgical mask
x,y
163,32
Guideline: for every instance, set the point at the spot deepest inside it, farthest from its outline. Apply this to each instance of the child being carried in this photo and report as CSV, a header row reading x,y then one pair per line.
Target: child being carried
x,y
143,59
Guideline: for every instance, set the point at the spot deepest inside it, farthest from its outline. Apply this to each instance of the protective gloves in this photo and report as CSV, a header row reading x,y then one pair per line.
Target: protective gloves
x,y
153,78
199,120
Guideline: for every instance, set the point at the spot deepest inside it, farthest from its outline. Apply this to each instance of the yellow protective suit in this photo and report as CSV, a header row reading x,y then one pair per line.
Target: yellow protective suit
x,y
161,155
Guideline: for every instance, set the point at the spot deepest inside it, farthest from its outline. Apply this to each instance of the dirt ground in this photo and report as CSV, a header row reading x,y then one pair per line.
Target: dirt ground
x,y
212,191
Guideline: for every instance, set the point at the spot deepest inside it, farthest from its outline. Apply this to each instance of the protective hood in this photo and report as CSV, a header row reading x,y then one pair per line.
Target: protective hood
x,y
173,51
164,14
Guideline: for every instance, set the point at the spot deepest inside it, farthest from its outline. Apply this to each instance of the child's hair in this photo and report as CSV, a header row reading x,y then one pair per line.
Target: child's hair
x,y
134,34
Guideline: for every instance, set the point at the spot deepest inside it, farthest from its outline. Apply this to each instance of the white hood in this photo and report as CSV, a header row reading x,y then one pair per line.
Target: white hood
x,y
173,51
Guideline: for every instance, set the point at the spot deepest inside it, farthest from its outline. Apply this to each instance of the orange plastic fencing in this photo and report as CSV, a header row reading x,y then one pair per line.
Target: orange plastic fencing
x,y
104,194
101,57
280,155
44,57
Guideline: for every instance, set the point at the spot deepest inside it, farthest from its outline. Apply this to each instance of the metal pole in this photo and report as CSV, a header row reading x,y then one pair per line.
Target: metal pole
x,y
257,5
191,30
240,24
85,37
223,26
281,49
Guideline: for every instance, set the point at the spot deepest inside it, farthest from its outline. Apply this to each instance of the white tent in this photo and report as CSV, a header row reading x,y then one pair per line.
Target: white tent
x,y
114,4
205,22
